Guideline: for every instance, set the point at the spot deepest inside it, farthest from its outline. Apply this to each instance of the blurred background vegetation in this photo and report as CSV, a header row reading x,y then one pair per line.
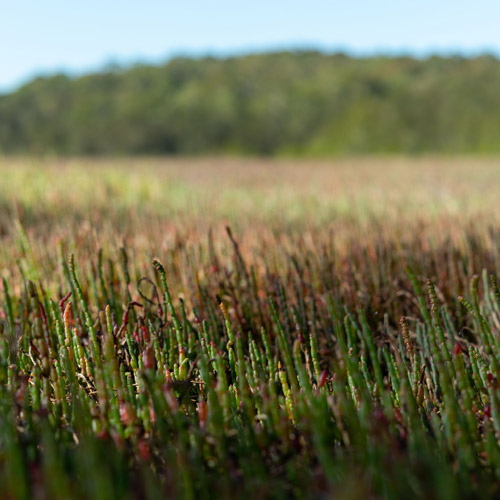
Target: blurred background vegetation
x,y
279,104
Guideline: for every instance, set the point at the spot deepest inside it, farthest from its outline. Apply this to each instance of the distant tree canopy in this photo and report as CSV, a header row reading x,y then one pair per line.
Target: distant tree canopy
x,y
300,103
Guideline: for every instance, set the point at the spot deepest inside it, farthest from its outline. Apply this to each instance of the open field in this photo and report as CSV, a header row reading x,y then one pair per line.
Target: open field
x,y
342,338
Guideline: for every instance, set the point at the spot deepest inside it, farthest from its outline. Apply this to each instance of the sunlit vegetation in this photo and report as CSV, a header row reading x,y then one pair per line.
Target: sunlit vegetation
x,y
214,329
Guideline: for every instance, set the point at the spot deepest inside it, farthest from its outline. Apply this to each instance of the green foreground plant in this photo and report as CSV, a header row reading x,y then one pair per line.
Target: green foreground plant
x,y
270,382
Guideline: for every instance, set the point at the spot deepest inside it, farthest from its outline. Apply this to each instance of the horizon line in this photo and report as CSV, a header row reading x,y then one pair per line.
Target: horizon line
x,y
127,62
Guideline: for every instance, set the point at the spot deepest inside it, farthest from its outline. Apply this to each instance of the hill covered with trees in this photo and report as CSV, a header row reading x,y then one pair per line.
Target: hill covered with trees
x,y
300,103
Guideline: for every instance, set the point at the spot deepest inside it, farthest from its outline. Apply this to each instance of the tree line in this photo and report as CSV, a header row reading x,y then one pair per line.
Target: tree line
x,y
286,103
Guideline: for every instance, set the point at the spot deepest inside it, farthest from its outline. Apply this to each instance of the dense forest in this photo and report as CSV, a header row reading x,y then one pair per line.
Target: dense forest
x,y
300,103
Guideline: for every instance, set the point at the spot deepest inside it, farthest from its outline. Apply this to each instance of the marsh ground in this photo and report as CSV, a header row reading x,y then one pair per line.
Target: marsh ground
x,y
305,379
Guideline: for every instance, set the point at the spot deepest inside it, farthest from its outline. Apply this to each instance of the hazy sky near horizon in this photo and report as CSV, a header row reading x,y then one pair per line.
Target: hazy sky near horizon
x,y
44,37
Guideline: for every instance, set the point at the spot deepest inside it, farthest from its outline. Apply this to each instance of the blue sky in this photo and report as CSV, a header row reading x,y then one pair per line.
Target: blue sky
x,y
45,36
